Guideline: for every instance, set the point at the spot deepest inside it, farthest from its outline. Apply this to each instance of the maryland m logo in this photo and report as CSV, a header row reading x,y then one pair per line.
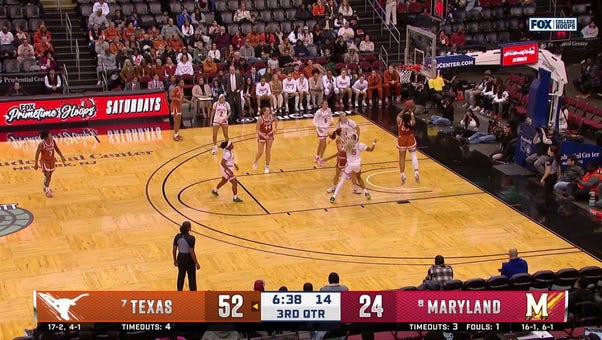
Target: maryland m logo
x,y
537,310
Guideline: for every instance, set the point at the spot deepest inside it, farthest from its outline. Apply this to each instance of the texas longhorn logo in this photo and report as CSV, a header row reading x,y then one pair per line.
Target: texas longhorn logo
x,y
60,307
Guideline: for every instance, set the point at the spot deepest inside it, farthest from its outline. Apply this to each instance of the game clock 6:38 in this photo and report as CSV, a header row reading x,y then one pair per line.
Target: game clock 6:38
x,y
300,306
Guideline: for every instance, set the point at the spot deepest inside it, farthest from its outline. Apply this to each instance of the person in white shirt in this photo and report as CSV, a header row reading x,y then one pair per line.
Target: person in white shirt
x,y
228,164
316,89
344,84
103,6
7,40
322,121
352,149
263,92
214,53
346,32
184,66
366,45
360,88
220,114
303,90
295,35
242,14
590,31
330,86
289,89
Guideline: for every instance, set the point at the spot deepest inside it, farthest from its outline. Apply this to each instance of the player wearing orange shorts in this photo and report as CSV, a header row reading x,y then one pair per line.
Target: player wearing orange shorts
x,y
219,117
47,162
266,127
406,141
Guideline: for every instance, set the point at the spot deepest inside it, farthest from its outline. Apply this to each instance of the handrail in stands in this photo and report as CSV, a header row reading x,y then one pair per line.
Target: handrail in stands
x,y
384,56
79,71
68,30
395,34
65,76
59,6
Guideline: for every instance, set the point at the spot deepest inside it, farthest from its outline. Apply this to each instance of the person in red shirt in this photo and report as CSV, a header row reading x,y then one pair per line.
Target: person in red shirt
x,y
391,83
375,84
458,39
46,149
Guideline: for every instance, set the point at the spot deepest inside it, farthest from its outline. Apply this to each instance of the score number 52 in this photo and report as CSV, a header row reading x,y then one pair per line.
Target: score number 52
x,y
229,306
370,307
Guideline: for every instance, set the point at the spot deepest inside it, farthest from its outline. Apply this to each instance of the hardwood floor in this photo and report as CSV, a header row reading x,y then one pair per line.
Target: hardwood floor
x,y
119,203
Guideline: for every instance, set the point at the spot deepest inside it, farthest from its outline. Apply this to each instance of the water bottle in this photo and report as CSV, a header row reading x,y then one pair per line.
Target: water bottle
x,y
592,198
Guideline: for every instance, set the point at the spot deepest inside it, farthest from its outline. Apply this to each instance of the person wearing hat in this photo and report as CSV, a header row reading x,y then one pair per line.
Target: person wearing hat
x,y
572,174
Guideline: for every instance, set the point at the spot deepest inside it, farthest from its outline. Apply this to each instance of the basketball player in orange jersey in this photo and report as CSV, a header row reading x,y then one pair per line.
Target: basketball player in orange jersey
x,y
219,116
177,97
406,141
266,127
46,149
228,165
353,166
322,122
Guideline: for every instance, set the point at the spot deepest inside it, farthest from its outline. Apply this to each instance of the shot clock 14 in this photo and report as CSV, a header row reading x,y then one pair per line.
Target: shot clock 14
x,y
301,306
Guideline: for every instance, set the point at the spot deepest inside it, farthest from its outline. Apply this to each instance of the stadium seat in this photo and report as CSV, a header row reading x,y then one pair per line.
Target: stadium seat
x,y
141,8
410,288
176,6
453,285
499,12
31,11
233,5
485,26
504,36
127,9
486,13
30,65
579,9
11,66
310,23
232,28
287,27
279,15
565,279
520,281
15,12
260,26
475,284
220,6
260,5
7,23
35,23
161,19
227,18
155,8
189,5
3,13
491,38
543,278
499,282
21,23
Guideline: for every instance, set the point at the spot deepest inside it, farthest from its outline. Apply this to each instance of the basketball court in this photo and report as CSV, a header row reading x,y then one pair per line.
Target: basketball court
x,y
119,203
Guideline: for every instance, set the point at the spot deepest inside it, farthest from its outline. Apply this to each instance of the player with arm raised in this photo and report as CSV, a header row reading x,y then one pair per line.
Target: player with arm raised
x,y
406,141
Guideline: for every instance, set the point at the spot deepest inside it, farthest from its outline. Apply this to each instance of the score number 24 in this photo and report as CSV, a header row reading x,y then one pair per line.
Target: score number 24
x,y
375,306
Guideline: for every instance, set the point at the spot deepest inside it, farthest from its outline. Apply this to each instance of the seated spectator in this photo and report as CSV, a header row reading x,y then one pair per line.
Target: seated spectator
x,y
175,43
375,83
100,45
366,45
214,53
159,43
572,174
156,83
222,39
301,50
360,88
16,90
577,297
106,63
345,10
188,33
318,11
392,85
184,66
96,18
101,5
302,13
183,16
590,31
158,69
500,101
495,130
133,19
307,37
197,18
7,40
170,29
201,93
20,35
515,264
343,83
144,70
469,125
580,190
442,39
48,62
111,32
170,67
458,39
308,287
589,79
247,51
242,14
25,51
440,271
259,286
128,72
128,32
507,141
132,85
334,284
351,56
346,32
116,17
542,140
338,21
52,82
116,45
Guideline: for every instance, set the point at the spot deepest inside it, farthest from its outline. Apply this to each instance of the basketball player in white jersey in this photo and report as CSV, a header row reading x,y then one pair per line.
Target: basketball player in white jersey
x,y
322,121
353,148
344,84
263,92
360,88
303,91
348,128
289,89
228,165
219,116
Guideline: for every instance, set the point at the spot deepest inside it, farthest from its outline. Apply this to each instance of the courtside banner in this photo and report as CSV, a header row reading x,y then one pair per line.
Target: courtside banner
x,y
25,111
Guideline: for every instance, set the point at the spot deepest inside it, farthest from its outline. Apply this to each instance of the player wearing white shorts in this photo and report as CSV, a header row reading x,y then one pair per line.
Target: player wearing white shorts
x,y
343,82
303,91
228,165
348,128
360,88
322,121
263,92
289,89
219,117
353,148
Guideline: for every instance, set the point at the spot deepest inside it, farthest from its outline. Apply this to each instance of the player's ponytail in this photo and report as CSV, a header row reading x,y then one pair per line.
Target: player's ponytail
x,y
224,144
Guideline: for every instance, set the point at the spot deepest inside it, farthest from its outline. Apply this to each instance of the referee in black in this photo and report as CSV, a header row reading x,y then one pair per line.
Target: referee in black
x,y
183,246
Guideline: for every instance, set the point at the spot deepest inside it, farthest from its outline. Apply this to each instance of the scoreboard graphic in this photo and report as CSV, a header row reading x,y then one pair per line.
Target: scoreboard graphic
x,y
417,310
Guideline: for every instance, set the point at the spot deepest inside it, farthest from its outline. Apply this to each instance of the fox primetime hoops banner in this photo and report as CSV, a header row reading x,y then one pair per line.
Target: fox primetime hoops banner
x,y
25,111
402,307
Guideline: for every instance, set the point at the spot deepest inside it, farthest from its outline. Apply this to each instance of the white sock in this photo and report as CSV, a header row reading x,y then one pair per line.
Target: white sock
x,y
414,160
340,184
